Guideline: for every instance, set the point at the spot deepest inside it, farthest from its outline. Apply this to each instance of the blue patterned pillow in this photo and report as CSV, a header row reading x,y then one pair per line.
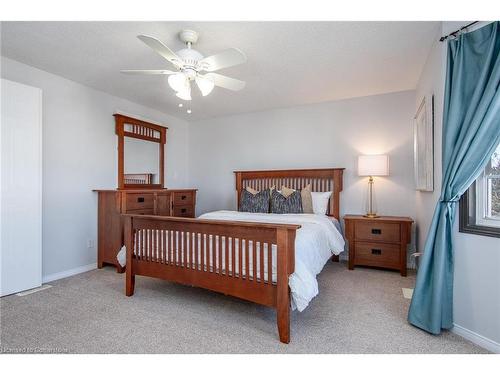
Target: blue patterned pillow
x,y
254,203
286,205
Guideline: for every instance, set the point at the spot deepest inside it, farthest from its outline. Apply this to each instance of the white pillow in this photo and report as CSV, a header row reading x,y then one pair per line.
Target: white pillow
x,y
320,202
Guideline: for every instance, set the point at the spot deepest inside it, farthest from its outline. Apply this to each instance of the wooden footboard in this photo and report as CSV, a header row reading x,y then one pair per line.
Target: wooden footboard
x,y
251,261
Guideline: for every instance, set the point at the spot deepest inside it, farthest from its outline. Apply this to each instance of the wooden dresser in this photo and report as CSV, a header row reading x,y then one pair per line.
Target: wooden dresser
x,y
113,203
378,242
141,192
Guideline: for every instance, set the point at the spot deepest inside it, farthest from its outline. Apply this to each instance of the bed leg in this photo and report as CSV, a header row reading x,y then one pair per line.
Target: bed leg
x,y
285,241
283,318
335,258
129,272
130,282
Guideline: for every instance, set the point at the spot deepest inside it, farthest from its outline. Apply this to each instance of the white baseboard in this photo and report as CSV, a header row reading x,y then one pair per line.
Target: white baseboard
x,y
68,273
476,338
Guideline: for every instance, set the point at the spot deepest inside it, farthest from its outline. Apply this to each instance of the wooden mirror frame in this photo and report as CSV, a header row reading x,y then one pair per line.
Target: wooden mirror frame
x,y
141,130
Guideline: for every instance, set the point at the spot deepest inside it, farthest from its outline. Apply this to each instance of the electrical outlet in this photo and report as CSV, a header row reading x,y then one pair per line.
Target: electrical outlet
x,y
90,244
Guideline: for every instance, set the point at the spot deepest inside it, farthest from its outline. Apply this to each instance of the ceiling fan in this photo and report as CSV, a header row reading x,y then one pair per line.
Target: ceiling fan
x,y
190,65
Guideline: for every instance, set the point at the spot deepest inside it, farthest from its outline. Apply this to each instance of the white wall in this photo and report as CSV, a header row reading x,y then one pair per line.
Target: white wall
x,y
79,154
324,135
477,258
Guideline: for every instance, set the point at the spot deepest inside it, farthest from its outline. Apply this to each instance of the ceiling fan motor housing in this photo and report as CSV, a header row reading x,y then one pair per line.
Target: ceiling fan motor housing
x,y
189,56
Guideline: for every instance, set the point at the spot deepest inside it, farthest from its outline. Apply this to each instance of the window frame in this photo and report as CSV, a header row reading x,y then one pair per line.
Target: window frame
x,y
468,215
481,198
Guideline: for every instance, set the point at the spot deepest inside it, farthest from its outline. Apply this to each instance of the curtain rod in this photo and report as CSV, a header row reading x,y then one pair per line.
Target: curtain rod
x,y
443,38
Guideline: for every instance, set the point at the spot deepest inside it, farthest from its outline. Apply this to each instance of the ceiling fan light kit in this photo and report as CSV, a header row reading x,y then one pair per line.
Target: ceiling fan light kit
x,y
190,65
206,85
178,82
184,94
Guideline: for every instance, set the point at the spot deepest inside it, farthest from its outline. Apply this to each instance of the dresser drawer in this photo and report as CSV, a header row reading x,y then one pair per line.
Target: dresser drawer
x,y
183,211
139,201
373,231
376,254
145,211
183,198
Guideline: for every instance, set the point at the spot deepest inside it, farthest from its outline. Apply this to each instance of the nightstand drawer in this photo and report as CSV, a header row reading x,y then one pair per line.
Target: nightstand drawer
x,y
376,254
373,231
139,201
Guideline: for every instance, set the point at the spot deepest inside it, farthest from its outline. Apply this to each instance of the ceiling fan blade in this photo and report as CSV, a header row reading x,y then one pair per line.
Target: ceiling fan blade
x,y
225,59
161,48
147,72
225,81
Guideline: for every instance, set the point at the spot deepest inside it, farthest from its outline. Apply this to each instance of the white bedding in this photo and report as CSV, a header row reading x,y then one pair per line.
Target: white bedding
x,y
315,242
318,238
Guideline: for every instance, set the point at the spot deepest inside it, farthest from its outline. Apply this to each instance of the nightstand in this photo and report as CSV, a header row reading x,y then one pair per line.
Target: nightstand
x,y
378,242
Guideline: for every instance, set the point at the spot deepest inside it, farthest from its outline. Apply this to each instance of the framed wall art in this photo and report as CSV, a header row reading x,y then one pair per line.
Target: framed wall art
x,y
424,145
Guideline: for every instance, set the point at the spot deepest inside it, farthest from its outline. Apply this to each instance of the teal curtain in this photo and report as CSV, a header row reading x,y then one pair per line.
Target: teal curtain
x,y
471,132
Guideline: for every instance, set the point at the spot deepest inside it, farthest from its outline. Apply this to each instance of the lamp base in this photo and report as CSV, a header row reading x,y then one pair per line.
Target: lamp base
x,y
372,216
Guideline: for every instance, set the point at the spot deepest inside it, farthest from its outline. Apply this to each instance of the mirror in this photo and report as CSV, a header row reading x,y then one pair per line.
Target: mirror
x,y
141,150
141,165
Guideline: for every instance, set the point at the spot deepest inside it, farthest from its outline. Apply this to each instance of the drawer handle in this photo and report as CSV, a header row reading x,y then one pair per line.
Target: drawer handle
x,y
376,231
183,197
140,200
183,210
377,251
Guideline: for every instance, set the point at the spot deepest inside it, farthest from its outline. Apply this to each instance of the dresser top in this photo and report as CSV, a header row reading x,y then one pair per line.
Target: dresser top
x,y
145,190
381,218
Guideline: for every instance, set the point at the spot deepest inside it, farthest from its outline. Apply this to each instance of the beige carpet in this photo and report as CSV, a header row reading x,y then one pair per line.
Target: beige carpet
x,y
360,311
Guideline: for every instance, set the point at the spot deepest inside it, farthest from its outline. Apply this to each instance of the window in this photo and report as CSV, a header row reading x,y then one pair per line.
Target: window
x,y
480,205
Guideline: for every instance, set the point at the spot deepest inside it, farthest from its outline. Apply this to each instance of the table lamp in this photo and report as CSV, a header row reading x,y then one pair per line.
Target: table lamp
x,y
372,165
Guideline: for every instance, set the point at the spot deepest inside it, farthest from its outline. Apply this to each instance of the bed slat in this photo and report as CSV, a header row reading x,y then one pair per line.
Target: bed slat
x,y
247,260
261,270
219,254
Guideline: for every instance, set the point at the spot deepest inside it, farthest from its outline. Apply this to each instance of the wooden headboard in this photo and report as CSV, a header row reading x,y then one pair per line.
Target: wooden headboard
x,y
329,179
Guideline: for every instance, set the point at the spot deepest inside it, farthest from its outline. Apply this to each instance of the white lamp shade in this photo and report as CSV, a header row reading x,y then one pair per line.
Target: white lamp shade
x,y
205,85
373,165
178,82
184,94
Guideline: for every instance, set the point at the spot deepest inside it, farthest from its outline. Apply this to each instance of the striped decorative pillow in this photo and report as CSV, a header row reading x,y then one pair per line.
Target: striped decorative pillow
x,y
286,205
305,193
258,202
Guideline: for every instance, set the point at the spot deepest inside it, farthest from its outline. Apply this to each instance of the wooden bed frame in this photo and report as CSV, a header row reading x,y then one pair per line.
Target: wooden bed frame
x,y
207,253
138,178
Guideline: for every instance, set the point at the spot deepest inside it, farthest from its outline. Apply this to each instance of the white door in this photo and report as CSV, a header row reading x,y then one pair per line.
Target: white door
x,y
21,187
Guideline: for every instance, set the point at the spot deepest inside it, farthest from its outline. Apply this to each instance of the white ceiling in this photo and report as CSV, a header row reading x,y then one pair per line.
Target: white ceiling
x,y
289,63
